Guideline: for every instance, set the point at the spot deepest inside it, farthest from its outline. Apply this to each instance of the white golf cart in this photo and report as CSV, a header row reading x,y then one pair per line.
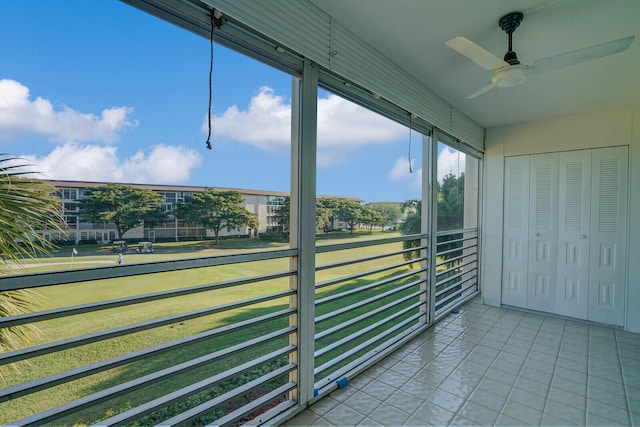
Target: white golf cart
x,y
145,248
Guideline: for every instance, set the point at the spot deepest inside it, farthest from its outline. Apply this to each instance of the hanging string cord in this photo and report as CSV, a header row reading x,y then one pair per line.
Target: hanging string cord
x,y
213,23
458,180
410,130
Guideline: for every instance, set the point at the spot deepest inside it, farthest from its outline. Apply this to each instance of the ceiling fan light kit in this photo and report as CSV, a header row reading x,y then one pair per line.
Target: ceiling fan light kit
x,y
510,72
511,75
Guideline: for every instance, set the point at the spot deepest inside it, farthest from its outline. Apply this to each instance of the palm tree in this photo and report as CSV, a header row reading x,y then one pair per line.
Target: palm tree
x,y
26,206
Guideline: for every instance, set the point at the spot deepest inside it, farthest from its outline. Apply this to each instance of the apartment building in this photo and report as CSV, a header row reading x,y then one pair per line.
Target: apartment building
x,y
262,204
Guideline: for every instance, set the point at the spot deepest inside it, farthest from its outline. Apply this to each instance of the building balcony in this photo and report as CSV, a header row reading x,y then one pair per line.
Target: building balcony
x,y
494,366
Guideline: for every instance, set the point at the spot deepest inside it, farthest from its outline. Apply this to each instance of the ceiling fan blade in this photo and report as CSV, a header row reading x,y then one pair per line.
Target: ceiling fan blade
x,y
479,92
477,54
582,55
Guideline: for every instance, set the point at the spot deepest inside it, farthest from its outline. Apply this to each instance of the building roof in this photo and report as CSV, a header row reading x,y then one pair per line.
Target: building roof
x,y
162,187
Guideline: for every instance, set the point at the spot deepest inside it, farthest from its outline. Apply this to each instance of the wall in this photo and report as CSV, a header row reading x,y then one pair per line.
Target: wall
x,y
602,129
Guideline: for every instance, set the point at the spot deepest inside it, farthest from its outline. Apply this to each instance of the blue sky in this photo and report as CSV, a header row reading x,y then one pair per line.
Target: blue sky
x,y
100,91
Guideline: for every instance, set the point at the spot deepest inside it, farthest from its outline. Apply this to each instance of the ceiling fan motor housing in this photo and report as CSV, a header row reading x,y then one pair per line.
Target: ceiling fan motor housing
x,y
508,23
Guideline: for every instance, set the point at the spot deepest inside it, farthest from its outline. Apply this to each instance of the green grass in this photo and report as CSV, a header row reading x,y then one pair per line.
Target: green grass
x,y
79,293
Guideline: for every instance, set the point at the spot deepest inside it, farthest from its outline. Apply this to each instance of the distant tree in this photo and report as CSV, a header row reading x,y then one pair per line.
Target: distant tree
x,y
390,212
125,206
451,202
26,207
371,217
216,210
328,206
450,215
411,225
349,211
282,214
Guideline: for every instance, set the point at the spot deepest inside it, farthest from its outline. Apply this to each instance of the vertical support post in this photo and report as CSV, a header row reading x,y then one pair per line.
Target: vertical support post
x,y
302,230
425,264
431,219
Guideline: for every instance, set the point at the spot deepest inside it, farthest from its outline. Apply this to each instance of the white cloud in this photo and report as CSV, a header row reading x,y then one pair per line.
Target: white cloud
x,y
400,172
164,164
20,115
450,161
265,124
342,125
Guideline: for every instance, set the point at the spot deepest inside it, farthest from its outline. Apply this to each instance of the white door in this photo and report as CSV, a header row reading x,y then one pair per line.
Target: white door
x,y
543,229
515,251
608,235
574,211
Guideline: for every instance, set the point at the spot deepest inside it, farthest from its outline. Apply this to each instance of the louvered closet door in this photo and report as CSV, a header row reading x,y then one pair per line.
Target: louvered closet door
x,y
608,235
515,251
574,211
543,232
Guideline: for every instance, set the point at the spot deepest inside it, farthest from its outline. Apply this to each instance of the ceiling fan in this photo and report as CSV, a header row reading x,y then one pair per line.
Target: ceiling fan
x,y
509,72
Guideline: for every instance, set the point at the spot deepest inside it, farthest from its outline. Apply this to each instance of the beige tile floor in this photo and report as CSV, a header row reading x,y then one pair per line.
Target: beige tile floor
x,y
494,366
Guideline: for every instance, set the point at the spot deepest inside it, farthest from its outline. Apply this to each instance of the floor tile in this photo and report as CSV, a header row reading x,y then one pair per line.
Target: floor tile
x,y
363,403
522,413
324,405
379,390
487,399
343,415
478,414
567,413
404,402
567,398
526,398
496,388
432,414
607,411
446,400
493,366
387,415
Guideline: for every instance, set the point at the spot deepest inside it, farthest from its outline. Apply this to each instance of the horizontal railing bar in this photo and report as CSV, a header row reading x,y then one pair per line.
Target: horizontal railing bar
x,y
273,416
254,405
341,279
365,243
32,280
455,276
371,357
449,260
362,331
458,231
362,303
461,248
375,284
454,268
138,299
55,346
369,258
168,399
447,298
455,303
365,316
366,344
136,384
195,412
84,371
462,239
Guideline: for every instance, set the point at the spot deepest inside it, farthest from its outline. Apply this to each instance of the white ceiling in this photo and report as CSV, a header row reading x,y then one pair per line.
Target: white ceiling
x,y
412,33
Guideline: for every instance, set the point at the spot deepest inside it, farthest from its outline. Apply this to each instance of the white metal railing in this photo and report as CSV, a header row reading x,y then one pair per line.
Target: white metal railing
x,y
367,312
242,367
215,375
456,268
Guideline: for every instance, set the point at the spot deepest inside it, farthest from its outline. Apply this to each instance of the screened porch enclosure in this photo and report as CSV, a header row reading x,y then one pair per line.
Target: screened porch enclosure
x,y
257,336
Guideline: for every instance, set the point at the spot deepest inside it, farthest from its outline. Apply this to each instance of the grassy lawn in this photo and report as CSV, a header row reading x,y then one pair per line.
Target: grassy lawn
x,y
79,293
